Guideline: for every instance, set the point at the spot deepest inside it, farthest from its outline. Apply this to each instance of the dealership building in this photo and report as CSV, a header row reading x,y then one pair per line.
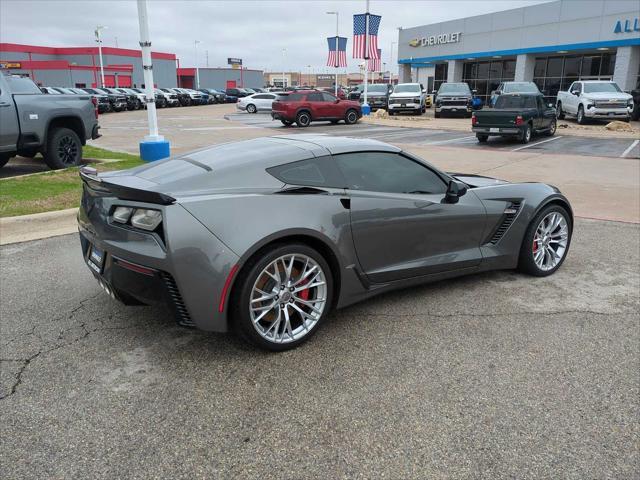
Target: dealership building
x,y
80,66
552,44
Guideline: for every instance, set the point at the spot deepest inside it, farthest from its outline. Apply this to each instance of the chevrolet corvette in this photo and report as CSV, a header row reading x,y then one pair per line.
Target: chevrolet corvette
x,y
265,237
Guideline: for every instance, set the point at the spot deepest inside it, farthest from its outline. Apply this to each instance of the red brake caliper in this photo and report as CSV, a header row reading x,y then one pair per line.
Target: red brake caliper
x,y
535,246
304,294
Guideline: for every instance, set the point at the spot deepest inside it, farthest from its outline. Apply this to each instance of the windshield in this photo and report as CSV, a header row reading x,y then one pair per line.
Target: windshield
x,y
601,87
91,90
407,87
454,88
516,101
21,85
378,88
521,87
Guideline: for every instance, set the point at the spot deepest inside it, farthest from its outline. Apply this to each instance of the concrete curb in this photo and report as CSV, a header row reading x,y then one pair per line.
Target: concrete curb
x,y
38,225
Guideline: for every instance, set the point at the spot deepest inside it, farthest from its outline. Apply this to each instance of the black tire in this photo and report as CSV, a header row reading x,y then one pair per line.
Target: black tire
x,y
526,261
334,122
482,138
391,113
552,128
351,117
626,119
63,149
4,158
241,295
559,112
580,117
251,108
303,119
287,123
525,134
436,114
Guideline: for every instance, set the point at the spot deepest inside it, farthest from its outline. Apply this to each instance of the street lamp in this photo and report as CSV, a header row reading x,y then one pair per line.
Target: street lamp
x,y
309,75
99,29
195,49
337,14
284,52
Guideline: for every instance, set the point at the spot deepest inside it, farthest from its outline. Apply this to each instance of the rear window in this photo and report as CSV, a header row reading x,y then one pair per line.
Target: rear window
x,y
516,101
294,97
22,85
315,172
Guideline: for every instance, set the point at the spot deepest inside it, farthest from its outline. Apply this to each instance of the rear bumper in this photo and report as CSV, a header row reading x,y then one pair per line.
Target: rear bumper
x,y
186,270
497,131
280,116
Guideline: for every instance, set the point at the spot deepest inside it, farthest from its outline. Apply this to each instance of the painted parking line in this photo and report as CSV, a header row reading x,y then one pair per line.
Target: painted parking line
x,y
537,143
629,148
451,140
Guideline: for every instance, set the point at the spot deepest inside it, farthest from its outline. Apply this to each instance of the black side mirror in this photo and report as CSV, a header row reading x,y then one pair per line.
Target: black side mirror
x,y
455,190
575,92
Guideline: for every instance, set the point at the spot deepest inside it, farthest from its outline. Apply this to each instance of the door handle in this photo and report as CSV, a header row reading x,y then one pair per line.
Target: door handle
x,y
4,104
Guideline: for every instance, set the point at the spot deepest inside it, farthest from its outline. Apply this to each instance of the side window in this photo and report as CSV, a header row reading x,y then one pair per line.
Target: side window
x,y
388,172
294,97
314,97
269,97
327,97
530,102
260,97
315,172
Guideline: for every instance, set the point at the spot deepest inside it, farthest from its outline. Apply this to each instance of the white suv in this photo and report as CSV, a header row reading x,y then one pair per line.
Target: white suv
x,y
407,97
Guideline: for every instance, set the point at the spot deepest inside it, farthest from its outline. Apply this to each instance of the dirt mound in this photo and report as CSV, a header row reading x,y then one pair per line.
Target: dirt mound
x,y
618,126
380,113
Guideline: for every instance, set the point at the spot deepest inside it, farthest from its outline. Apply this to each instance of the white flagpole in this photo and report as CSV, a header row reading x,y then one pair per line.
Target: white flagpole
x,y
365,104
337,62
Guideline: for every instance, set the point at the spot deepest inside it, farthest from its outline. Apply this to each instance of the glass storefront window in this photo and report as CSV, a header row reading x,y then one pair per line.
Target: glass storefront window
x,y
495,70
554,67
608,65
571,67
509,69
540,69
485,76
591,65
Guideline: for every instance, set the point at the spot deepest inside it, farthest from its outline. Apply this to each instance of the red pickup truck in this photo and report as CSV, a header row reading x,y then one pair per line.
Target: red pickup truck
x,y
306,106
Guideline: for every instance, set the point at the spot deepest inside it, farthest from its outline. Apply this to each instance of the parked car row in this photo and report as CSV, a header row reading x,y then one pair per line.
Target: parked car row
x,y
119,99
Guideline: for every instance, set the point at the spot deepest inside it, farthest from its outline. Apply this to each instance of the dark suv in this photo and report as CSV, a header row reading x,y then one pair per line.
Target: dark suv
x,y
237,92
306,106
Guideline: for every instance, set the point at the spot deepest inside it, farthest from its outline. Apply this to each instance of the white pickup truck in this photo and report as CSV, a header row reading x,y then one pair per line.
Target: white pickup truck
x,y
594,99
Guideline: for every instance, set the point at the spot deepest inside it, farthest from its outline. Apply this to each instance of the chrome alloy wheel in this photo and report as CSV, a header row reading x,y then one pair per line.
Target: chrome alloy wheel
x,y
288,298
550,241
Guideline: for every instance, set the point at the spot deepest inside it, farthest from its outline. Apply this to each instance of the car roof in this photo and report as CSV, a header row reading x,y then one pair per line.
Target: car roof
x,y
270,151
522,94
596,81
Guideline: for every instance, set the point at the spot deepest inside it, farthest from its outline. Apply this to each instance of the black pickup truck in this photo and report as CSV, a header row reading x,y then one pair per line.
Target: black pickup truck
x,y
519,115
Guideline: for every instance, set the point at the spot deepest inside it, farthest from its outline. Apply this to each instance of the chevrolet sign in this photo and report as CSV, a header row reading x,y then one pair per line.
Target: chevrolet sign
x,y
453,37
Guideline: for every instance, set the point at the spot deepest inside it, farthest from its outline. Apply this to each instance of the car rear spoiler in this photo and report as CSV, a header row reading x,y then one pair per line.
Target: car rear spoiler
x,y
89,176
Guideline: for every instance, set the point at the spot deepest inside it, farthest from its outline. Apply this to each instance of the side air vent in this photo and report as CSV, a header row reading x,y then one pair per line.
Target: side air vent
x,y
510,214
175,299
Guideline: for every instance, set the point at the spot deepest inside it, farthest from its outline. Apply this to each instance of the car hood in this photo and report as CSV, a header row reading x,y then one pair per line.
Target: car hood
x,y
405,94
475,181
608,96
457,95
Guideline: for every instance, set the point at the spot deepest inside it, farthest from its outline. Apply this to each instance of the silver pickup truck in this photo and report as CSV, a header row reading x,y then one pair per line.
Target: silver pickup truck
x,y
55,125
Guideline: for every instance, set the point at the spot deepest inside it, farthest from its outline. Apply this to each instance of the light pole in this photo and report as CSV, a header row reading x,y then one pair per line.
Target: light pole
x,y
195,49
391,60
153,146
337,14
309,75
99,29
284,52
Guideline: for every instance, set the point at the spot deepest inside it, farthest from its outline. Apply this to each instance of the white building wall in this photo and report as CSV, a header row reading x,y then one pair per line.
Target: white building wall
x,y
626,69
525,65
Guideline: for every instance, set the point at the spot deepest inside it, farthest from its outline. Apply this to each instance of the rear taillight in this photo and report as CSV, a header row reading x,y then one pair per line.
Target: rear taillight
x,y
519,120
94,100
474,120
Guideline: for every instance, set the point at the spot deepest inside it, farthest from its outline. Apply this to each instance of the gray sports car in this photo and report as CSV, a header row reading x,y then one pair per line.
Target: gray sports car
x,y
266,236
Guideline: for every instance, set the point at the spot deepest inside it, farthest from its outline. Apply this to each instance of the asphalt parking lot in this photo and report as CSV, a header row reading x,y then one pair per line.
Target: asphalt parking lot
x,y
491,376
559,144
497,375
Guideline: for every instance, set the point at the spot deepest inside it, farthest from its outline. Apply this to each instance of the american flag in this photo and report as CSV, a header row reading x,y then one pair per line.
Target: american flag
x,y
364,47
339,60
375,64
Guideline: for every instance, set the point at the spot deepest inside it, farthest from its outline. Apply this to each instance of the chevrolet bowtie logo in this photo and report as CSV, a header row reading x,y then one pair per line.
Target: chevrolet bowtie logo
x,y
415,42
